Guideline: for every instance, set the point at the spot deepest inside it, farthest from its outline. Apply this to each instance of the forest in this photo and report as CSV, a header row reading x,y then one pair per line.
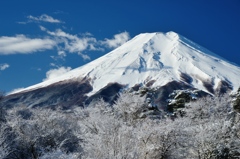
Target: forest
x,y
209,128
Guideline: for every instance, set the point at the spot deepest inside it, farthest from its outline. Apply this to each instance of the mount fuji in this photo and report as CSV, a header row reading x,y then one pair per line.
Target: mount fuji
x,y
166,61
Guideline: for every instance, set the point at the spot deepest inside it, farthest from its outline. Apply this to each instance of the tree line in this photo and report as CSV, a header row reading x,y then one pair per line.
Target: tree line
x,y
128,129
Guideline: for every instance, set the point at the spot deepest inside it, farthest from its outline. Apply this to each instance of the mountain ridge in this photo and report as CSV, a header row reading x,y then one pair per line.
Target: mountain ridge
x,y
149,56
148,60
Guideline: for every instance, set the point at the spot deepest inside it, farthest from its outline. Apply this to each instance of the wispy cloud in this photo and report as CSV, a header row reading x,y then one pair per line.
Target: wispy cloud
x,y
4,66
20,44
53,73
117,40
62,53
22,22
84,42
84,56
44,18
63,41
60,12
73,43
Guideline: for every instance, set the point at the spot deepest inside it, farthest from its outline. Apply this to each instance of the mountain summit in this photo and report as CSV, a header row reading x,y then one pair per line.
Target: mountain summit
x,y
151,60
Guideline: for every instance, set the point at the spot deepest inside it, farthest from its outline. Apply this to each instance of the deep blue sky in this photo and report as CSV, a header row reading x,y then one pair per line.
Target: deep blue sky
x,y
37,37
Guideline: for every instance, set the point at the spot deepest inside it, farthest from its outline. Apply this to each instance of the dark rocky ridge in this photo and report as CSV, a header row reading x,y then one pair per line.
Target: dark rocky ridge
x,y
62,94
109,93
67,94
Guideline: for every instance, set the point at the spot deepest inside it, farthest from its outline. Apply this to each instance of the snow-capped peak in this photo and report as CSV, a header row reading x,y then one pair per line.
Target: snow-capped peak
x,y
158,58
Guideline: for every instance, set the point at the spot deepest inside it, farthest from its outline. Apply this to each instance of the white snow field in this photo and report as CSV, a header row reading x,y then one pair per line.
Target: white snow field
x,y
162,57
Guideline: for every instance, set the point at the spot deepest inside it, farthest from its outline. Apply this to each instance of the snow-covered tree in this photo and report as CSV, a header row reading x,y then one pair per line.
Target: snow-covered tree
x,y
37,131
58,154
210,129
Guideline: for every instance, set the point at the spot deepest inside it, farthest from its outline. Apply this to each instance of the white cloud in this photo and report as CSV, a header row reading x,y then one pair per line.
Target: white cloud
x,y
53,73
22,22
60,33
4,66
84,56
44,18
43,28
117,40
73,43
68,43
20,44
62,53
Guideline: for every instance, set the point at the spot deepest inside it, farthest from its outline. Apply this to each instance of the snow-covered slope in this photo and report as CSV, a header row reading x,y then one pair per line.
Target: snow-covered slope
x,y
158,58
